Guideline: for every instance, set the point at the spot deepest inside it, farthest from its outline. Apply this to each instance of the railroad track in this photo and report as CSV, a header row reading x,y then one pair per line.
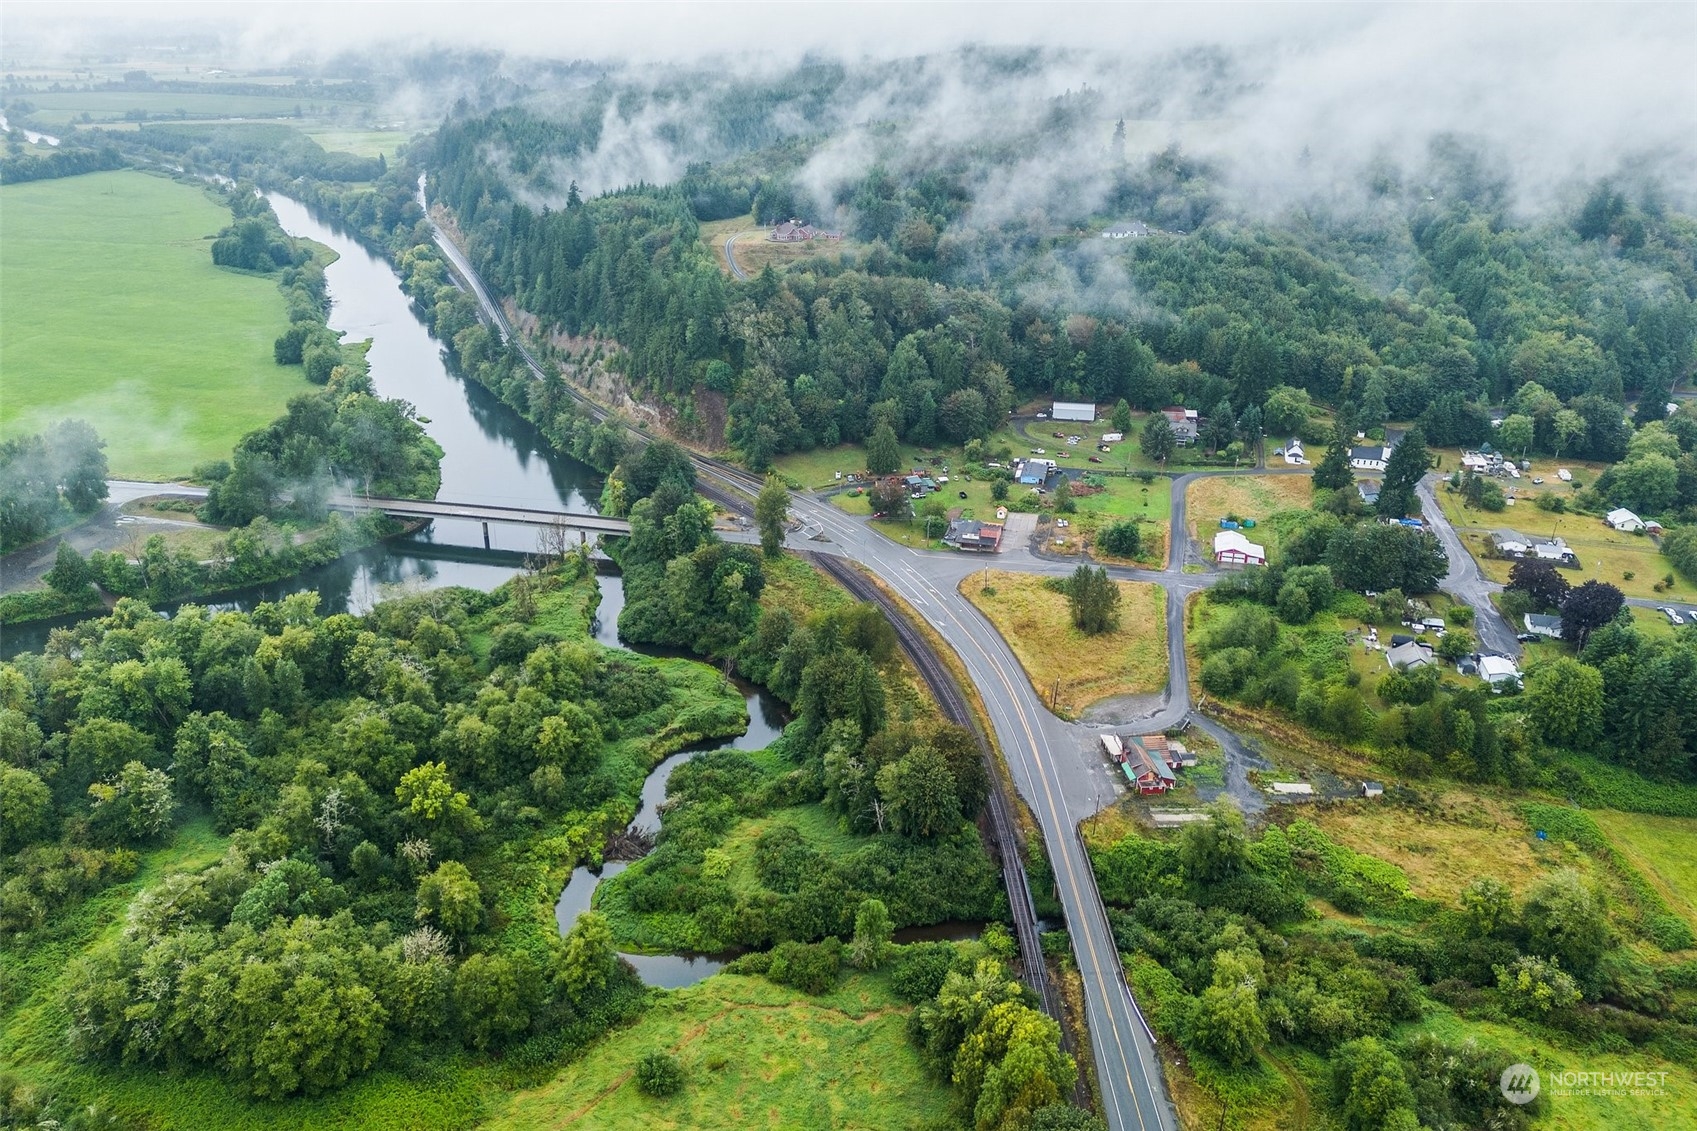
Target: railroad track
x,y
734,488
953,701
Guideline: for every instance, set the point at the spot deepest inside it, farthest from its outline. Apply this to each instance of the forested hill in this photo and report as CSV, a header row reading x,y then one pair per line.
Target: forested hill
x,y
1427,303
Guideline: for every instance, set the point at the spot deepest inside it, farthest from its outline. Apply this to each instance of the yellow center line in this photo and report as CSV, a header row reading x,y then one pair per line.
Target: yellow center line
x,y
1065,850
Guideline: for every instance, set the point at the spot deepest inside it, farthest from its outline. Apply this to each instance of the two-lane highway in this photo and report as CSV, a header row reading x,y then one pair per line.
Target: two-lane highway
x,y
1056,771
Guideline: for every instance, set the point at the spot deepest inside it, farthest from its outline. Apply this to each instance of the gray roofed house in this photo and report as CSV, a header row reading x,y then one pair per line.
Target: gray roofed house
x,y
970,534
1408,657
1371,457
1368,489
1510,544
1542,624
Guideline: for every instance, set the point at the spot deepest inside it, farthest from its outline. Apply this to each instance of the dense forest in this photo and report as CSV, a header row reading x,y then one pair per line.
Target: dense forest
x,y
1431,306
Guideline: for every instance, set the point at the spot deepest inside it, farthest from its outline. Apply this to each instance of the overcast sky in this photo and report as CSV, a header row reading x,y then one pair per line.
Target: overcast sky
x,y
1561,92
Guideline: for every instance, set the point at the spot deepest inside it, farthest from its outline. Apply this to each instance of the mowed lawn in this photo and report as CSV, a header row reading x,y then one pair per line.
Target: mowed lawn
x,y
755,1055
1037,624
112,311
1664,849
1604,554
1246,496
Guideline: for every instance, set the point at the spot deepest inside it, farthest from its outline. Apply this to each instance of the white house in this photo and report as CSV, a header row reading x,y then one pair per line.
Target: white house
x,y
1074,410
1510,544
1133,230
1542,624
1499,672
1622,519
1556,550
1231,548
1294,454
1372,457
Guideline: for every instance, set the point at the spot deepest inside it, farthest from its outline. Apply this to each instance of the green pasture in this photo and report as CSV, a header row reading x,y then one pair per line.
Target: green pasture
x,y
754,1055
112,311
62,108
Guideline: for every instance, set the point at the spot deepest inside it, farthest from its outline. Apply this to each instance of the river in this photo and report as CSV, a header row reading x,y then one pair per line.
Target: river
x,y
490,455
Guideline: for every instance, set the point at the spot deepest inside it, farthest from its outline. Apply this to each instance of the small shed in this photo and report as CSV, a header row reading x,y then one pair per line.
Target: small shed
x,y
1074,410
1372,789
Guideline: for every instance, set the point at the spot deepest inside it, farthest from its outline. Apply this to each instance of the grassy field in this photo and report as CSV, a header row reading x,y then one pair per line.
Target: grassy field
x,y
1564,1109
1604,554
113,312
1246,496
1469,836
1035,621
754,251
361,143
755,1055
61,108
1663,849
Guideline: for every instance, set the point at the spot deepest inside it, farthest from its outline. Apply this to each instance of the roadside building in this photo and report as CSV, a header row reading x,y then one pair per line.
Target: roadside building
x,y
970,534
1233,550
1542,624
1073,410
1294,454
1622,519
1555,551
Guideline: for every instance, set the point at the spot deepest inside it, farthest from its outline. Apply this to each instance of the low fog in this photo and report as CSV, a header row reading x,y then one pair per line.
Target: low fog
x,y
1292,105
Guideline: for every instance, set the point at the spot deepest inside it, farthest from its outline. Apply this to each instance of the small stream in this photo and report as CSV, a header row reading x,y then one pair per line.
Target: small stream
x,y
765,723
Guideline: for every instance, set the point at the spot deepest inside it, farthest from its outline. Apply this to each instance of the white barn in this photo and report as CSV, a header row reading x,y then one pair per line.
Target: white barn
x,y
1231,548
1074,410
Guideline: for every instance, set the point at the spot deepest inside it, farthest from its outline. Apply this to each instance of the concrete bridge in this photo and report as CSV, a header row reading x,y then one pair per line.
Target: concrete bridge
x,y
584,524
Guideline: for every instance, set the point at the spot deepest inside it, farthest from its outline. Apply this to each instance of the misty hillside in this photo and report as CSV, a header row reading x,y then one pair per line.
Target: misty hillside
x,y
974,202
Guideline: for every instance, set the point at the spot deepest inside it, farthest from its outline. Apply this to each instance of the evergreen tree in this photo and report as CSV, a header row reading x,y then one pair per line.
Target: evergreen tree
x,y
1409,461
69,574
1333,472
1095,600
883,453
1157,440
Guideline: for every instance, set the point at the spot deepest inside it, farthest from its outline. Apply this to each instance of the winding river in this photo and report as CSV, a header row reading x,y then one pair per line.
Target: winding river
x,y
490,455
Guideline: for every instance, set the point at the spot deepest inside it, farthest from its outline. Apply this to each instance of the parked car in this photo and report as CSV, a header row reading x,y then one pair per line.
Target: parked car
x,y
1672,614
1538,481
1039,451
1059,435
1527,638
1095,459
963,494
1042,416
